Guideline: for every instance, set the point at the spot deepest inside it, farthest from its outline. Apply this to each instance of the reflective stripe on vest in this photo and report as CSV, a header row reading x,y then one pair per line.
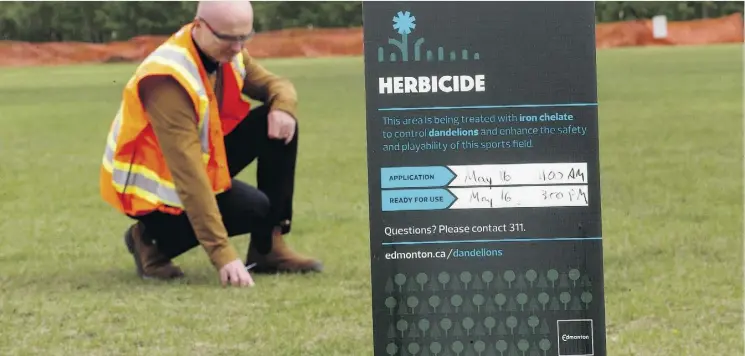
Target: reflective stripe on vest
x,y
239,69
141,180
178,58
239,66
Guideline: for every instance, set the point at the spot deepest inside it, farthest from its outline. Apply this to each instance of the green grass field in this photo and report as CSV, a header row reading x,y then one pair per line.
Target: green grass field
x,y
671,154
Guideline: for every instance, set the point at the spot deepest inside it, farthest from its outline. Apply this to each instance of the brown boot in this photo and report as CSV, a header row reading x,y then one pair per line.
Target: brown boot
x,y
281,259
148,260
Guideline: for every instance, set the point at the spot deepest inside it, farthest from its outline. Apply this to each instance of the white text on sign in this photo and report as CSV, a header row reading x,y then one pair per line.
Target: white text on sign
x,y
432,84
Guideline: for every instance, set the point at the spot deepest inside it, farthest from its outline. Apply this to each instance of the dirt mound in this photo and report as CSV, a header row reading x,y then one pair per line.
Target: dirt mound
x,y
728,29
348,42
283,43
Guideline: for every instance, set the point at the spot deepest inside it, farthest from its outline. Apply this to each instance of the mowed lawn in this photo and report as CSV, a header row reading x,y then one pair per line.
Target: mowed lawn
x,y
671,152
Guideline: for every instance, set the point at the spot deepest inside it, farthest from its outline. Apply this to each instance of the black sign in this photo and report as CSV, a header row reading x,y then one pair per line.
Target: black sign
x,y
485,218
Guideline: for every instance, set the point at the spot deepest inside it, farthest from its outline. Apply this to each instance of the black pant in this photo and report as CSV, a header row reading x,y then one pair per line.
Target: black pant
x,y
244,209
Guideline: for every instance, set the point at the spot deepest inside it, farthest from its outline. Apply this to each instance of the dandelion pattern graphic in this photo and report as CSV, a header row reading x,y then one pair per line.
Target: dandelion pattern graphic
x,y
507,312
404,23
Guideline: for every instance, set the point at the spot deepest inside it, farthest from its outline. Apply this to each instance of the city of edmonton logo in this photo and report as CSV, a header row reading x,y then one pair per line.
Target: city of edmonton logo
x,y
404,24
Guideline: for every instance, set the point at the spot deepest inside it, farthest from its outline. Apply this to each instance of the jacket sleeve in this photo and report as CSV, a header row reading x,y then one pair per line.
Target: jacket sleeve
x,y
262,85
173,119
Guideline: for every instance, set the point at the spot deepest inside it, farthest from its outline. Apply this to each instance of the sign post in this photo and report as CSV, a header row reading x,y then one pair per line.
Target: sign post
x,y
485,221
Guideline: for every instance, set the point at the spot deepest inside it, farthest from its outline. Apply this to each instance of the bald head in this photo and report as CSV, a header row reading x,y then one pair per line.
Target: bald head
x,y
224,27
226,13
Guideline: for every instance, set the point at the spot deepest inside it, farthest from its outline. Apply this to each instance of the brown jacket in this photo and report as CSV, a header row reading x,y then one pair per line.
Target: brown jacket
x,y
174,123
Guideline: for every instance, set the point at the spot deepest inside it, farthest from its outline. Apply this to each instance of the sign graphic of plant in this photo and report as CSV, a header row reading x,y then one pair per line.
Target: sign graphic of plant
x,y
404,24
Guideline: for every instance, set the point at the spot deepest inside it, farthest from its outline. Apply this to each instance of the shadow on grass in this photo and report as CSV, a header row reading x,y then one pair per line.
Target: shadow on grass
x,y
117,277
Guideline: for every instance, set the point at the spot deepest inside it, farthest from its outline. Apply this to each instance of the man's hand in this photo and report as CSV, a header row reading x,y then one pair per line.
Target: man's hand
x,y
235,273
281,125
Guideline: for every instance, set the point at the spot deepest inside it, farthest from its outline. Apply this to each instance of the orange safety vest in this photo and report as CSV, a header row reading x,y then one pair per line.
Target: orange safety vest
x,y
134,176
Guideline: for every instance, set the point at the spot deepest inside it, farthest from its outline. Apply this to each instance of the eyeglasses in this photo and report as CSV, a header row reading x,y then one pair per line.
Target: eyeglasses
x,y
225,37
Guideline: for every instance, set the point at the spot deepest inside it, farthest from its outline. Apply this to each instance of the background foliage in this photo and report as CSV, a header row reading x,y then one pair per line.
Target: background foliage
x,y
121,20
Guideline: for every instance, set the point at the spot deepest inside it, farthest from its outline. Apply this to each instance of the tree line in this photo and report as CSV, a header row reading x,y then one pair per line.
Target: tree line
x,y
121,20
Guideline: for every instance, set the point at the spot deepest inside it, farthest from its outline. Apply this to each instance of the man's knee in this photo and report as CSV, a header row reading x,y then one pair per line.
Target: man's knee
x,y
247,201
263,205
259,113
